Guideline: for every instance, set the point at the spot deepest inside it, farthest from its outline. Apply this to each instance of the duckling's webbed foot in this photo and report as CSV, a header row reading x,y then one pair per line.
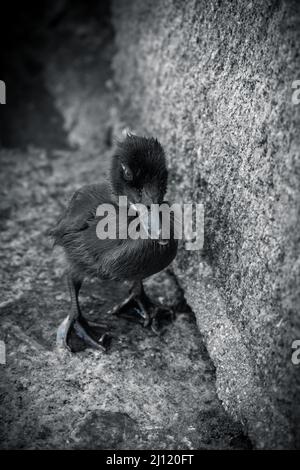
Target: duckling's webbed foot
x,y
75,333
161,317
135,306
139,305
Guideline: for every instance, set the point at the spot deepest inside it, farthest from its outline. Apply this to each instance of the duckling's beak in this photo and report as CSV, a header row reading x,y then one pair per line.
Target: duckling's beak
x,y
150,221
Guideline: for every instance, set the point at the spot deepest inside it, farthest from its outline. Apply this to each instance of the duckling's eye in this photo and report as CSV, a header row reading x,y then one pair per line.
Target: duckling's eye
x,y
127,174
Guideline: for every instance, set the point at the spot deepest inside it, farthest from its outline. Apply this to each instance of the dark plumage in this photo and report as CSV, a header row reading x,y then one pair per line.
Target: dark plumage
x,y
138,171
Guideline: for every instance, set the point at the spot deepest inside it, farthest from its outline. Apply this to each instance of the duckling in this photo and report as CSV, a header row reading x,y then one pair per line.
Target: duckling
x,y
138,171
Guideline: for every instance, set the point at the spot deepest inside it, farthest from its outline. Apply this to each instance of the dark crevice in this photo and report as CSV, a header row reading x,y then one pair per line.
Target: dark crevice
x,y
31,35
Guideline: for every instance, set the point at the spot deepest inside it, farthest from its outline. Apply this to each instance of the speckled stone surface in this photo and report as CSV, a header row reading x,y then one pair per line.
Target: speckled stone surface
x,y
213,81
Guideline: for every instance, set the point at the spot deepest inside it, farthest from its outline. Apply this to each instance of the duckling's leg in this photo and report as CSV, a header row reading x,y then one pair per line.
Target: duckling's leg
x,y
139,303
76,322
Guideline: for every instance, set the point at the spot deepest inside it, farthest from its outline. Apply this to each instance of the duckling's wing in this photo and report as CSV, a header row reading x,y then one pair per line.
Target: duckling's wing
x,y
81,210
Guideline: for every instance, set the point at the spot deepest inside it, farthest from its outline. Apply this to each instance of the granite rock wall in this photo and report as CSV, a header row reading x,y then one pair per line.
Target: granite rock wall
x,y
214,82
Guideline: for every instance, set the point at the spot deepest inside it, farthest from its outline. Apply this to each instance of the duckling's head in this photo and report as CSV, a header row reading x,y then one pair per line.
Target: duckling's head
x,y
139,170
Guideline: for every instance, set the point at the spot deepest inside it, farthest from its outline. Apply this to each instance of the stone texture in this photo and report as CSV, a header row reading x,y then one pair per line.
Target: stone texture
x,y
213,81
